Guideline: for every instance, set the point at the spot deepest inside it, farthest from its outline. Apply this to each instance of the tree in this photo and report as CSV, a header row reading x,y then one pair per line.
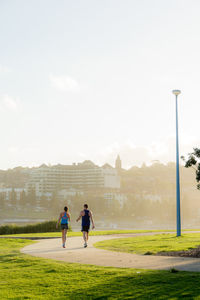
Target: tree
x,y
31,196
22,199
13,198
2,200
43,202
77,202
55,204
193,160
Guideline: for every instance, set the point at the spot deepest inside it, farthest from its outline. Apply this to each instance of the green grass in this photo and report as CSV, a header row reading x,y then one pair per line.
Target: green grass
x,y
93,232
153,244
26,277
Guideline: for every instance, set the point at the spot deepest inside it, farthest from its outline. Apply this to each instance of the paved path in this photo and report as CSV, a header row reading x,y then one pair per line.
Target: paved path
x,y
75,253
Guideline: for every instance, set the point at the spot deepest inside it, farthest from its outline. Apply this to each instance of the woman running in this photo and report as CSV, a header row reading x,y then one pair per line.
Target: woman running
x,y
64,218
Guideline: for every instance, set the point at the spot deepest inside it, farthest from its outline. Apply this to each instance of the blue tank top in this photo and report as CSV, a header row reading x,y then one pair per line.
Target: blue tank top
x,y
86,218
64,219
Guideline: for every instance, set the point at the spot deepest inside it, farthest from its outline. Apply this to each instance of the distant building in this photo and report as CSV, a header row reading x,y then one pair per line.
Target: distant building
x,y
118,164
112,197
79,176
8,191
66,194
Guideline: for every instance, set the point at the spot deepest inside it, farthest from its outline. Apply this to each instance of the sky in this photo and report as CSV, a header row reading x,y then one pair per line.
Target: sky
x,y
93,79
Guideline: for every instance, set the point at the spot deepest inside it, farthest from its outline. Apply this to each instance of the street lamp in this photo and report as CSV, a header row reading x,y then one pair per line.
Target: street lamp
x,y
178,208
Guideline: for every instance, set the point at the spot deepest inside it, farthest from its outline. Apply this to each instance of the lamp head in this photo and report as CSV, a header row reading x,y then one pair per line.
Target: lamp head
x,y
176,92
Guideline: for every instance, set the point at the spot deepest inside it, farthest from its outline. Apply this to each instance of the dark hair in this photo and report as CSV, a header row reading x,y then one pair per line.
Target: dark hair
x,y
65,208
85,205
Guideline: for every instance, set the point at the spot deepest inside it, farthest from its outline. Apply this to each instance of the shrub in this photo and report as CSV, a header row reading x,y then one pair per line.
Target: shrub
x,y
148,253
173,270
47,226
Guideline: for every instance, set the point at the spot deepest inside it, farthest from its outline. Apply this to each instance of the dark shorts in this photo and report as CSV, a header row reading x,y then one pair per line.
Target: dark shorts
x,y
85,228
64,226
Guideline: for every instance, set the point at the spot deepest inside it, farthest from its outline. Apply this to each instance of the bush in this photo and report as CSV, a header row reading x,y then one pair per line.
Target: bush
x,y
48,226
148,253
173,270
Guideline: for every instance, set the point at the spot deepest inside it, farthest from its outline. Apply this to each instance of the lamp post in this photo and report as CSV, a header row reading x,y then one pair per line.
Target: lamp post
x,y
178,208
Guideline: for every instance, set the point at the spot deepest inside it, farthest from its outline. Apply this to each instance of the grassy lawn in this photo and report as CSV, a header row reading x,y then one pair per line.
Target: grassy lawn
x,y
153,244
26,277
92,232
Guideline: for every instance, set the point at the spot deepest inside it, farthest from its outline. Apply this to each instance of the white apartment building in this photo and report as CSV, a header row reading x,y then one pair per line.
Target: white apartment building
x,y
111,197
66,194
8,191
79,176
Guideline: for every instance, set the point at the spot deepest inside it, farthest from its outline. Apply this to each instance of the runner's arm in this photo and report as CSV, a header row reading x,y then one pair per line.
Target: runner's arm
x,y
59,220
91,217
68,216
81,214
79,217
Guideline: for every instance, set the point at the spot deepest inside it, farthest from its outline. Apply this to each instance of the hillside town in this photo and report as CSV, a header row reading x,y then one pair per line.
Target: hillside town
x,y
64,182
140,194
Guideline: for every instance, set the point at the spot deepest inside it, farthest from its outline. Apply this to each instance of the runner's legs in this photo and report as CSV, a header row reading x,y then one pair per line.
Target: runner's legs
x,y
85,236
65,235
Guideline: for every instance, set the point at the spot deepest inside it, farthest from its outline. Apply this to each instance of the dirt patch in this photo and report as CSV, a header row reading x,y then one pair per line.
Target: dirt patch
x,y
188,253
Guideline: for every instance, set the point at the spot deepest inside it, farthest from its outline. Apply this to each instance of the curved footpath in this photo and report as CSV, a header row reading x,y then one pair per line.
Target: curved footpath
x,y
75,253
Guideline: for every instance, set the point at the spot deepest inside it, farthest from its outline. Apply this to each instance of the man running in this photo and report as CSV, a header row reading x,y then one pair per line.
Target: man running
x,y
86,215
64,218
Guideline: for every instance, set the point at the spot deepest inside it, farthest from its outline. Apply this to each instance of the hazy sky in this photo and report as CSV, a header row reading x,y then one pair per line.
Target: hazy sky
x,y
91,79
